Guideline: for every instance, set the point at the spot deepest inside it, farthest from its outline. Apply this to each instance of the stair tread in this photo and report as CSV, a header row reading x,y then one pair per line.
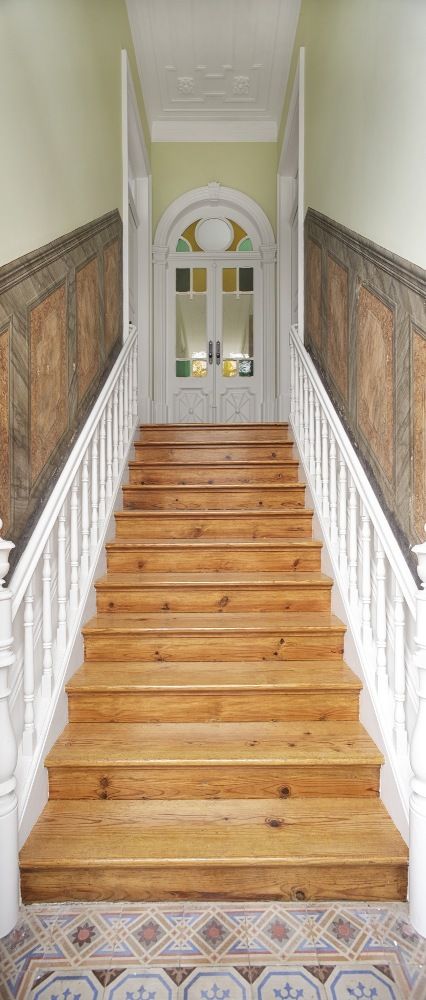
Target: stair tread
x,y
311,831
287,512
221,426
220,743
127,581
214,543
215,486
296,675
214,622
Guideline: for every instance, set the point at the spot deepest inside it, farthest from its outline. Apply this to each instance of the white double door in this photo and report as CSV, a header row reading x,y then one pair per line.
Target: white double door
x,y
214,341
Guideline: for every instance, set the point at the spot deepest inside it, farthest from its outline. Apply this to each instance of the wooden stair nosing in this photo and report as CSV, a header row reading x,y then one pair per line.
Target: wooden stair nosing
x,y
215,623
203,581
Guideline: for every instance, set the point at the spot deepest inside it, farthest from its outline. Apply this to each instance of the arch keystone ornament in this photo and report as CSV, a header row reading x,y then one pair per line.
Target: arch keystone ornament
x,y
9,873
417,869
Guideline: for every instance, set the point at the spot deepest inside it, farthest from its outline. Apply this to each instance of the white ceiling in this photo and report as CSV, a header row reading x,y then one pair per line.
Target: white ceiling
x,y
213,69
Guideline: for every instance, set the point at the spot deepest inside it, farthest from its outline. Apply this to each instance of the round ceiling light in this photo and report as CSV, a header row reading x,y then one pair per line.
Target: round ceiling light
x,y
214,235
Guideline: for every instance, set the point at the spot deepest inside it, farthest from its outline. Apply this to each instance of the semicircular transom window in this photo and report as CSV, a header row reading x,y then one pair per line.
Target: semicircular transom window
x,y
214,235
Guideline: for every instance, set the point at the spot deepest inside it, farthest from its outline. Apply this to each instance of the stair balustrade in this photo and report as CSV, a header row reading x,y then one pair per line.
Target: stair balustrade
x,y
42,607
385,609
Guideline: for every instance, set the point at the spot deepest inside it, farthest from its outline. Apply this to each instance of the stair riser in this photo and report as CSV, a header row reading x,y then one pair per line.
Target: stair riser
x,y
119,646
209,475
220,526
249,706
238,781
304,559
202,498
332,881
201,433
211,599
218,453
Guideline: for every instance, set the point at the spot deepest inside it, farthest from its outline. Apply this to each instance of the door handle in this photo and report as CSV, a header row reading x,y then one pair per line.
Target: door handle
x,y
218,352
210,352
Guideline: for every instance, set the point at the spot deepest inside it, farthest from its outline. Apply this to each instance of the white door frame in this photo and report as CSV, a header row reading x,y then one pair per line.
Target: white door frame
x,y
290,182
214,199
136,187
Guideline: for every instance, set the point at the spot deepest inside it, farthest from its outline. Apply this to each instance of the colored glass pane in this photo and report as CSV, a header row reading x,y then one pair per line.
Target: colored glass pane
x,y
246,367
182,246
246,245
189,235
183,367
183,280
229,279
199,368
245,277
199,279
229,368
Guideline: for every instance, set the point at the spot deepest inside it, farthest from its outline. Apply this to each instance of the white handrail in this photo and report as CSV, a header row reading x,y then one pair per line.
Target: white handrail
x,y
386,610
41,609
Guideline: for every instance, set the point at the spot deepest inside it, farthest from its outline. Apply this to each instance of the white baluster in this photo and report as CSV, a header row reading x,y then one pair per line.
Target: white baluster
x,y
120,418
126,403
343,517
311,430
382,680
61,634
135,380
84,520
292,380
417,868
109,450
102,470
300,425
74,590
130,395
47,638
333,492
306,441
366,577
94,495
353,548
115,453
29,734
399,727
9,873
318,481
324,464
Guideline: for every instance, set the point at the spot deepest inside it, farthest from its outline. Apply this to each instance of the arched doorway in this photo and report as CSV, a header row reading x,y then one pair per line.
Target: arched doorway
x,y
214,310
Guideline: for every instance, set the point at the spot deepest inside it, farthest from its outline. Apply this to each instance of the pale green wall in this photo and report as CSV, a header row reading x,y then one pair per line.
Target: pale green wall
x,y
60,84
251,167
365,156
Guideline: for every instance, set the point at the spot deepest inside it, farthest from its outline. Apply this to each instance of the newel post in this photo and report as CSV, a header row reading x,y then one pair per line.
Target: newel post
x,y
9,874
417,871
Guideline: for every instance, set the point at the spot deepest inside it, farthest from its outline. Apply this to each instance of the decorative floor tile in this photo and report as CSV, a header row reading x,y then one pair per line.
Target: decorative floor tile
x,y
288,983
76,985
215,933
144,984
215,984
361,983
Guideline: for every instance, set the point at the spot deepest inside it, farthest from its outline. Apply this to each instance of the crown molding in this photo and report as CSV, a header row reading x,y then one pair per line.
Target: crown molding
x,y
214,131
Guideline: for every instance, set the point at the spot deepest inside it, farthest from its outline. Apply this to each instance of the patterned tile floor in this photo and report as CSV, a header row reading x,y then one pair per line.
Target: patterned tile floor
x,y
213,951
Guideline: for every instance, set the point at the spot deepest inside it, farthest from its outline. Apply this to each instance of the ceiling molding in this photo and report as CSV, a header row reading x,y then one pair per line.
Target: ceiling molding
x,y
213,131
213,71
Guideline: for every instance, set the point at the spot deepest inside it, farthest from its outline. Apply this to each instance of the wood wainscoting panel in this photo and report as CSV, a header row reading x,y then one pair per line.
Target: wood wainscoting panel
x,y
112,286
337,325
87,308
375,378
419,432
314,282
48,377
5,429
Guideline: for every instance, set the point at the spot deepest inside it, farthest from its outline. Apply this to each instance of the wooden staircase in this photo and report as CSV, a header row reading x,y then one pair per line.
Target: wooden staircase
x,y
213,748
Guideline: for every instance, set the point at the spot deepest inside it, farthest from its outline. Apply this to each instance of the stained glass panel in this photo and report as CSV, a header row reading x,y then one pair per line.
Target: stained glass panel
x,y
199,368
245,279
246,245
183,279
183,367
229,368
246,367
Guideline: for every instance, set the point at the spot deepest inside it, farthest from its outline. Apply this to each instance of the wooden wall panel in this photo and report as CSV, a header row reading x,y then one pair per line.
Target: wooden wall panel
x,y
87,310
365,328
337,325
375,379
57,345
419,431
112,298
4,429
48,378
